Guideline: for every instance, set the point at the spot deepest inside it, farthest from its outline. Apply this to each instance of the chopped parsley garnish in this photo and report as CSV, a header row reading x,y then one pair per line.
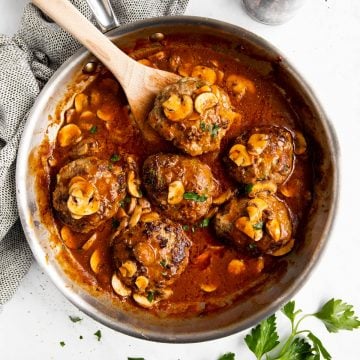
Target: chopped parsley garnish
x,y
194,196
80,337
62,343
185,227
203,126
150,296
258,226
115,157
215,130
98,335
93,129
115,223
163,263
75,319
248,188
204,223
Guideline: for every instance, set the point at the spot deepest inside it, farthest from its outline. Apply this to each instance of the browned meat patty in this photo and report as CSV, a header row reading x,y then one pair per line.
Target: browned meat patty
x,y
192,114
260,225
88,192
262,153
182,187
149,258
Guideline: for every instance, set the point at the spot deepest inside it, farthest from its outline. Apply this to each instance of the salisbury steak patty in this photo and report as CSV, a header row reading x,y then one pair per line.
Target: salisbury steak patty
x,y
182,187
192,114
88,192
149,257
260,225
262,153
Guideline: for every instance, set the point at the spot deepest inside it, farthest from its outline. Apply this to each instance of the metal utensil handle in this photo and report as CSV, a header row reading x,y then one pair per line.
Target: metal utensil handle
x,y
104,14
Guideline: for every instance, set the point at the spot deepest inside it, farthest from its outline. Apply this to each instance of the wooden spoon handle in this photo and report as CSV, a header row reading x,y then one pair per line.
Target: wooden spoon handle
x,y
70,19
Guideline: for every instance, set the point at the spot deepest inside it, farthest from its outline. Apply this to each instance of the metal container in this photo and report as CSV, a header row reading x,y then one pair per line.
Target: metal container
x,y
258,304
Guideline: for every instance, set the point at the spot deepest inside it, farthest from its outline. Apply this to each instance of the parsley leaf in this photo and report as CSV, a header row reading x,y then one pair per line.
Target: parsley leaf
x,y
258,226
227,356
337,315
150,296
318,347
289,311
214,131
93,129
263,338
75,319
115,157
185,227
203,126
299,349
204,223
62,343
98,335
194,196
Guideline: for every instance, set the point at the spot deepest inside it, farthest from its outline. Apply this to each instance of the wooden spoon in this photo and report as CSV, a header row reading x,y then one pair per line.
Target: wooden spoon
x,y
140,83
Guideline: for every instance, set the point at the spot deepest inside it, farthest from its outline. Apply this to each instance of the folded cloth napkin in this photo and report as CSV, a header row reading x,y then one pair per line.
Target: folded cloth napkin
x,y
27,61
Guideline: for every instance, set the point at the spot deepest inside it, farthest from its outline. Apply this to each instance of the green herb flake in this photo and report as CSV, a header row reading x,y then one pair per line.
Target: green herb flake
x,y
248,188
80,337
98,335
75,319
150,296
203,126
62,343
204,223
215,130
194,197
114,158
227,356
115,223
185,227
258,226
93,129
163,263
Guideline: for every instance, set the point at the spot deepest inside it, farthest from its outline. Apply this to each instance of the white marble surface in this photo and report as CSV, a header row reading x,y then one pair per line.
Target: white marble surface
x,y
323,42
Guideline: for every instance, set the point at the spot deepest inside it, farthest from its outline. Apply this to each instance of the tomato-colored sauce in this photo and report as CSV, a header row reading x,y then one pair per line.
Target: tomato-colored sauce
x,y
209,256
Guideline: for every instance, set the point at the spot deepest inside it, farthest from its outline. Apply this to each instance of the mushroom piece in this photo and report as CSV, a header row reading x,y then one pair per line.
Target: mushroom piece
x,y
225,196
240,85
257,143
144,301
69,238
248,228
136,215
263,186
176,192
142,282
133,184
236,266
149,217
300,145
205,101
81,102
83,199
95,261
177,107
208,287
128,268
239,155
204,73
119,287
68,135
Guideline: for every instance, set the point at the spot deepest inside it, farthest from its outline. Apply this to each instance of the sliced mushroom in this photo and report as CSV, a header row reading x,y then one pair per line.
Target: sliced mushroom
x,y
69,238
105,114
145,253
133,184
95,98
146,62
285,249
239,155
131,206
119,287
273,227
81,102
225,196
185,69
178,108
219,76
257,143
128,269
236,267
240,85
260,263
203,89
204,73
208,287
95,261
135,217
68,135
300,143
90,242
144,301
142,282
246,226
149,217
205,101
83,199
175,192
263,186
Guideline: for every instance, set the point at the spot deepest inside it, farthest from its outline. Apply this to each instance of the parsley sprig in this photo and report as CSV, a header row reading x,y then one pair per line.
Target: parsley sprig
x,y
301,344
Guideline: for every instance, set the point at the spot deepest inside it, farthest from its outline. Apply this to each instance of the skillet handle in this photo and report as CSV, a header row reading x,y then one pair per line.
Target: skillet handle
x,y
104,14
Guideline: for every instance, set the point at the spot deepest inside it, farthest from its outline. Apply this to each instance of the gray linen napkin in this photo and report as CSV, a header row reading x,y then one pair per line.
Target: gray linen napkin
x,y
27,61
